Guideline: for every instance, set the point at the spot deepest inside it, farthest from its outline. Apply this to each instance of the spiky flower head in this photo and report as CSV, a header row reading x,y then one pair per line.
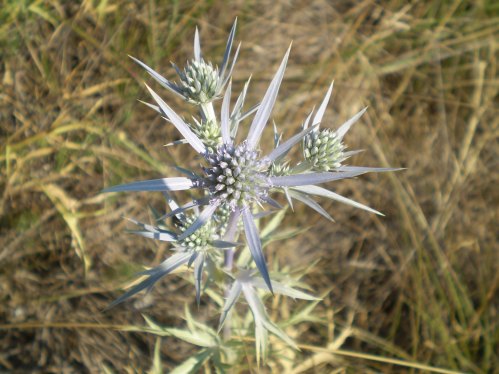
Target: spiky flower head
x,y
323,149
200,81
199,240
208,131
236,175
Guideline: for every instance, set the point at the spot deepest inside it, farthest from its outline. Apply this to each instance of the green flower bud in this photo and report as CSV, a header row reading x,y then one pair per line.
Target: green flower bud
x,y
199,82
323,149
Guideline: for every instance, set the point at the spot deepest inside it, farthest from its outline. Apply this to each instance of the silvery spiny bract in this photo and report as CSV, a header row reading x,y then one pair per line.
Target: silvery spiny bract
x,y
237,179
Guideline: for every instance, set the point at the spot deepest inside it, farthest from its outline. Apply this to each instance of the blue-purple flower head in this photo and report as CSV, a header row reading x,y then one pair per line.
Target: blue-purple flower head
x,y
236,176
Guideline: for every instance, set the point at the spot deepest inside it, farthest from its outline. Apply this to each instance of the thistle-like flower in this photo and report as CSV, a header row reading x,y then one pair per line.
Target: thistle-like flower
x,y
238,176
236,180
200,81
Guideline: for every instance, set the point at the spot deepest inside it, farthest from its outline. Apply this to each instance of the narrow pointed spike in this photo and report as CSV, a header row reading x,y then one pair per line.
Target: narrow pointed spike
x,y
197,46
176,142
249,112
159,78
145,226
352,153
255,245
346,126
260,318
307,120
186,172
222,244
277,138
236,55
177,69
154,212
141,286
283,289
152,106
178,123
164,184
322,109
190,205
240,99
198,276
263,214
319,191
232,297
225,126
170,201
364,169
200,221
192,259
288,198
230,232
161,236
311,178
228,49
286,146
160,271
274,329
265,108
311,203
272,202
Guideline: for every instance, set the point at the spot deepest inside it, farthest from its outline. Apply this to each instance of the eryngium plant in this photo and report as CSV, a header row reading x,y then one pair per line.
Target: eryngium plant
x,y
236,181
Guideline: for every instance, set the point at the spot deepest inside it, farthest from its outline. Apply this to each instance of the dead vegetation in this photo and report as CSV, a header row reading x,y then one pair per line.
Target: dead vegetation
x,y
419,285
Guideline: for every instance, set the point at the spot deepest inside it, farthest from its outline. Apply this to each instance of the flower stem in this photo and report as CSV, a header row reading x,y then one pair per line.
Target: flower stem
x,y
208,112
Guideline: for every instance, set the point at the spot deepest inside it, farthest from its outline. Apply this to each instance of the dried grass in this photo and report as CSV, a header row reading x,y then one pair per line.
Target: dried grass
x,y
420,284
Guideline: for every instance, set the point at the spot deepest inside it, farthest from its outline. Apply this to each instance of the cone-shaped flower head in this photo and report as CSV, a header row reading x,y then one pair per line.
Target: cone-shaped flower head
x,y
236,176
323,149
200,81
208,131
199,240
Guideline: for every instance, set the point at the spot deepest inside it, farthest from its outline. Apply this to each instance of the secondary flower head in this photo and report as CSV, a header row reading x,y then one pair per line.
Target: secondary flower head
x,y
208,131
200,81
196,249
323,149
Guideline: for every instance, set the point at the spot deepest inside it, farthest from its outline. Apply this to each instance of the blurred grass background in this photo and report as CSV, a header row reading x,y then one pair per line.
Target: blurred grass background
x,y
420,284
